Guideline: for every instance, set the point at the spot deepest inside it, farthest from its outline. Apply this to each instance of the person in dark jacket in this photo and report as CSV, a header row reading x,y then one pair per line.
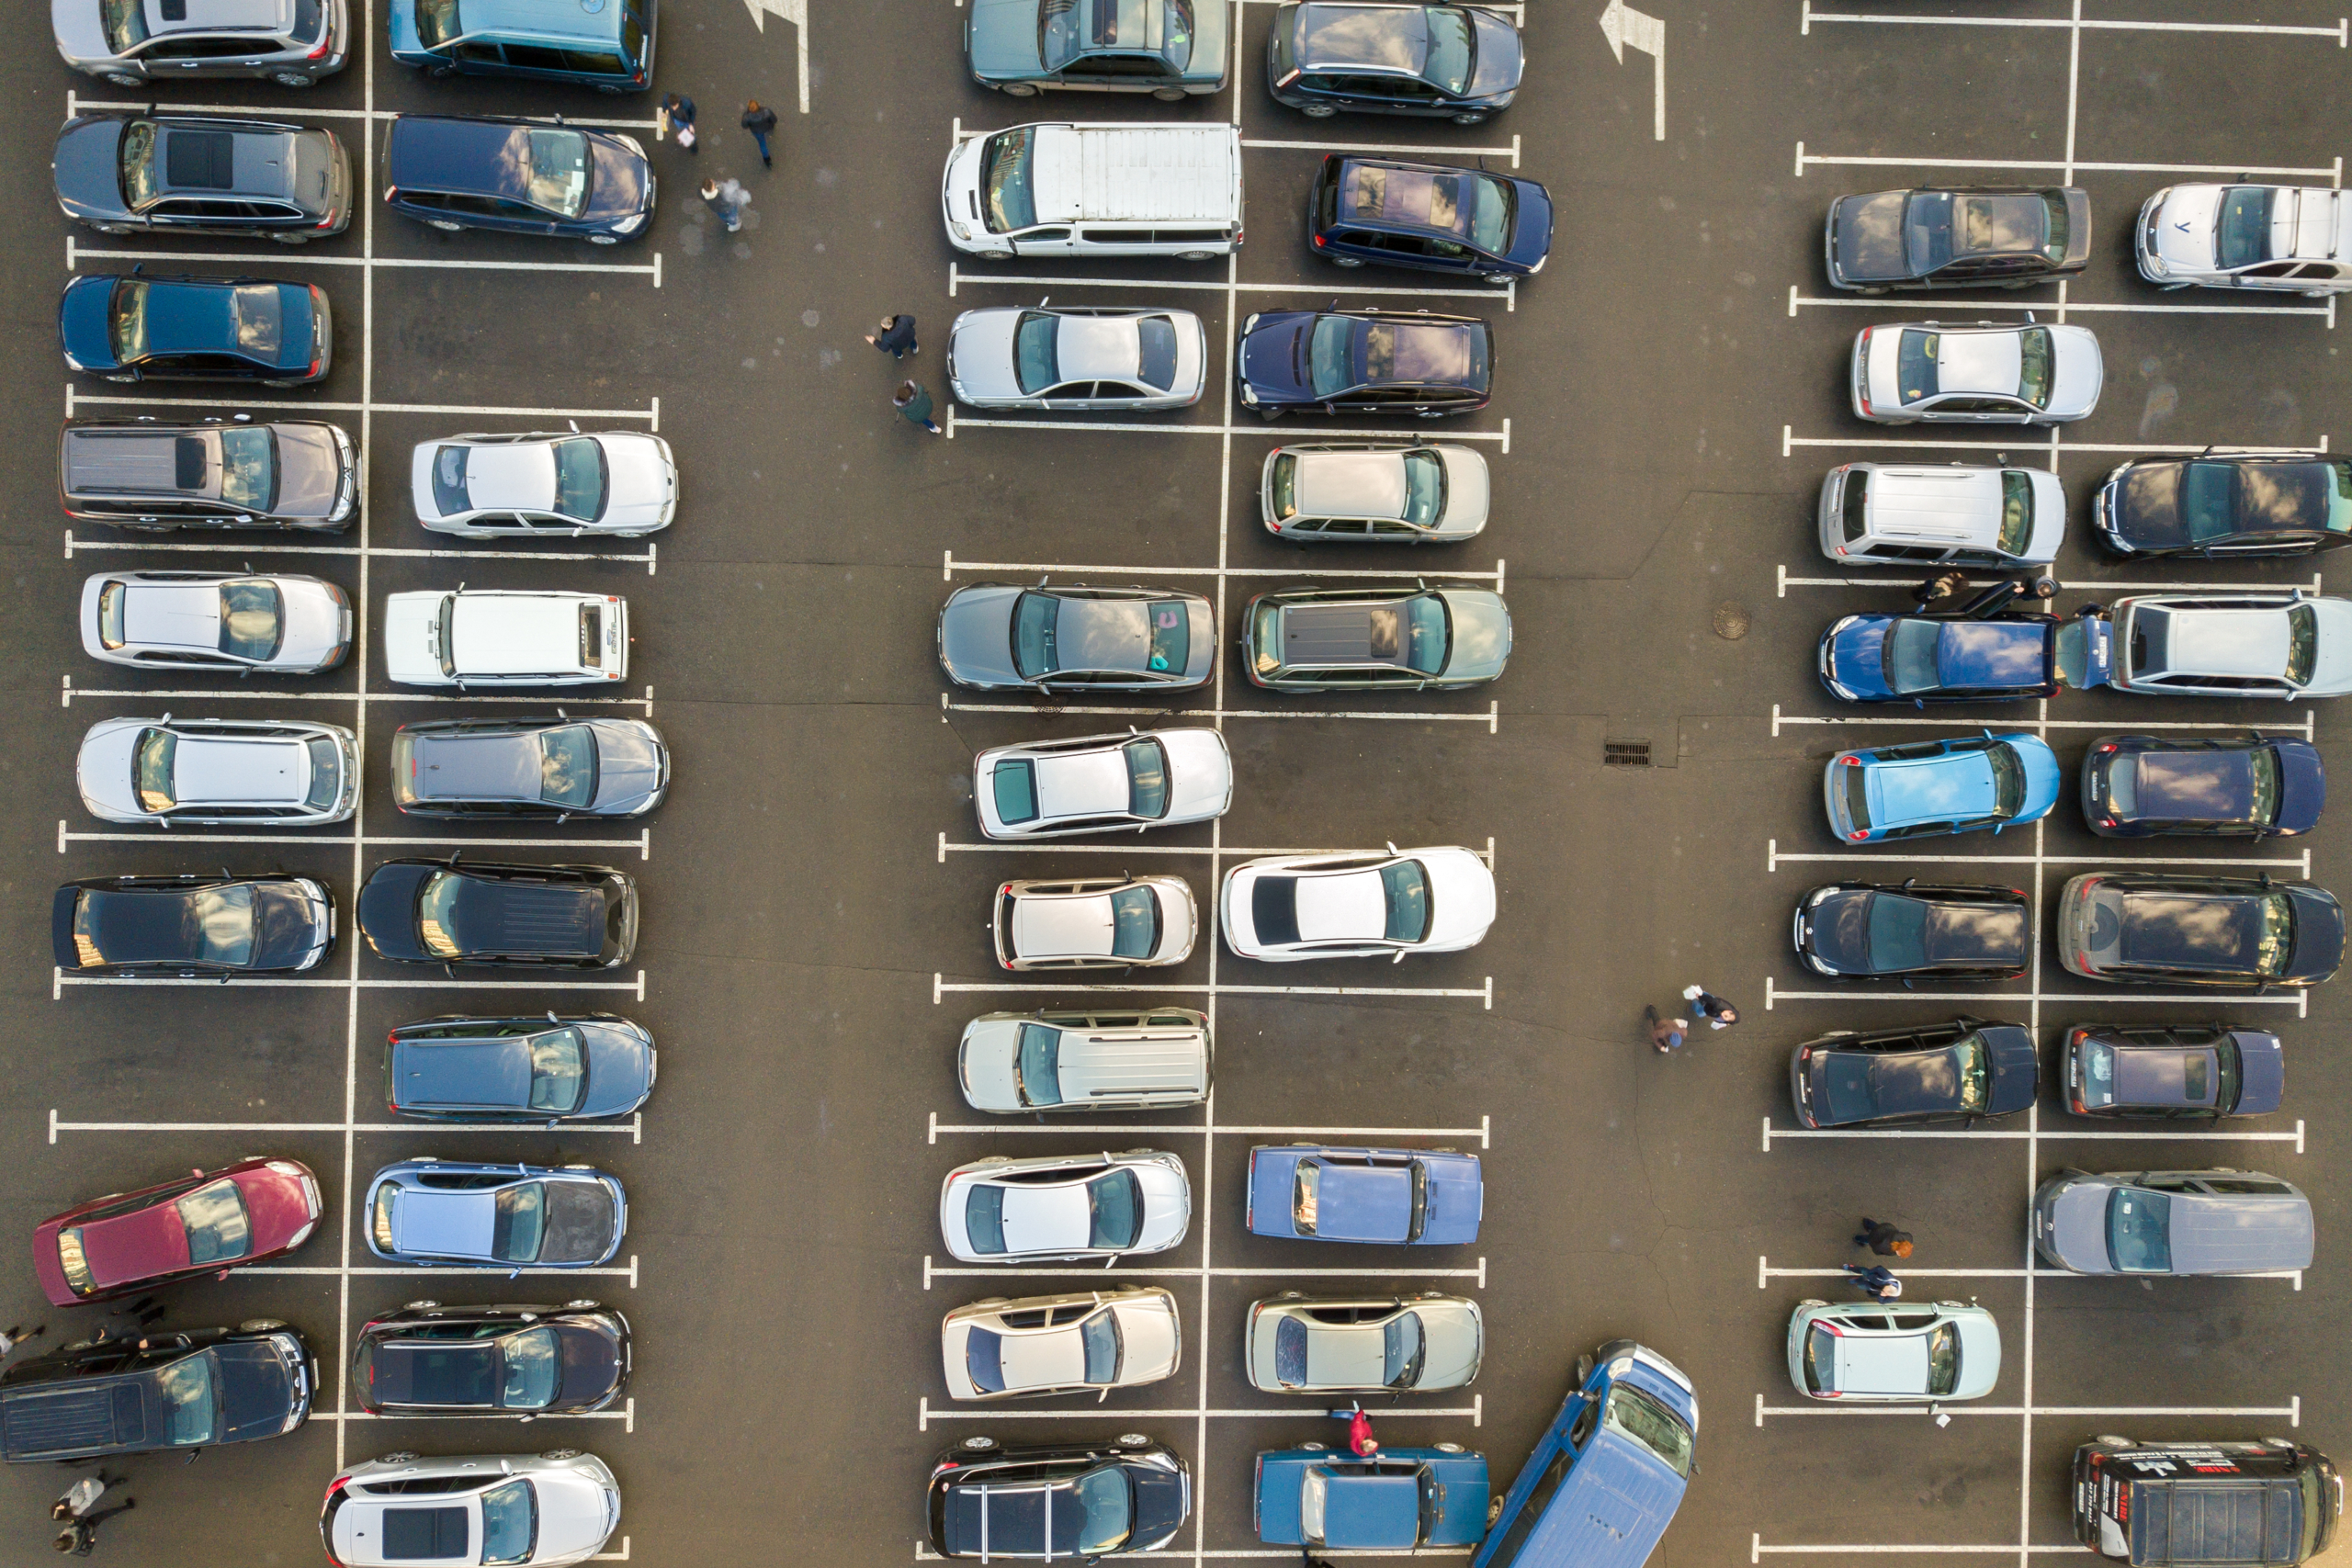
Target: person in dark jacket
x,y
896,336
1949,585
759,121
1877,1281
1882,1237
679,111
1719,1013
913,404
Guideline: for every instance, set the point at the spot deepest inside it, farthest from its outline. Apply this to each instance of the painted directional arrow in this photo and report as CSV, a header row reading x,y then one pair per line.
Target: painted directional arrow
x,y
796,13
1621,25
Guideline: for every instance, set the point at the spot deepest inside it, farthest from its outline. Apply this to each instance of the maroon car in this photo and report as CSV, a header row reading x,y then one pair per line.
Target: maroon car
x,y
205,1222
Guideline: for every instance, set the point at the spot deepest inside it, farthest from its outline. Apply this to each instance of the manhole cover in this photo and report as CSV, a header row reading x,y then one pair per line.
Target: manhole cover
x,y
1731,621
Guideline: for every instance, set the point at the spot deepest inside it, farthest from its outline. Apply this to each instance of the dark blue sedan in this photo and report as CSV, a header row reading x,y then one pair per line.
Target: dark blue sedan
x,y
2255,786
1429,218
1939,659
196,329
1400,1500
1376,361
1409,1197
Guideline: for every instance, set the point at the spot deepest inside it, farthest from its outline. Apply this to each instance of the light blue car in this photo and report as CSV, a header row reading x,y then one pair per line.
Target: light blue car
x,y
1398,1501
1933,787
495,1217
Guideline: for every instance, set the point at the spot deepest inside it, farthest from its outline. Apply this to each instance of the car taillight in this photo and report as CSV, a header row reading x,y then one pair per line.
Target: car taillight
x,y
1320,240
1851,761
337,1484
392,193
2077,1105
1842,549
2103,751
1831,1329
2107,821
2019,891
326,41
1857,835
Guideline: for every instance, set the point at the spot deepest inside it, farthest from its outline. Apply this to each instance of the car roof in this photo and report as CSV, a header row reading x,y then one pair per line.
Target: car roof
x,y
1363,1203
1340,633
475,767
484,157
2191,929
171,614
1380,38
1063,925
2210,641
557,18
510,476
1081,784
1368,1511
1088,348
514,634
1105,634
140,461
2007,223
248,160
486,1072
445,1224
2213,1232
501,915
1376,193
1341,905
1954,787
1886,1362
207,770
1350,484
1981,361
1048,1358
1995,653
2200,785
208,16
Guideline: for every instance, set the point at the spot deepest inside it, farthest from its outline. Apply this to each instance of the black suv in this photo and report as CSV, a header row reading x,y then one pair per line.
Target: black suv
x,y
185,1390
519,1361
517,176
1429,218
1373,361
1097,1499
2161,1504
1457,63
215,474
564,917
2227,505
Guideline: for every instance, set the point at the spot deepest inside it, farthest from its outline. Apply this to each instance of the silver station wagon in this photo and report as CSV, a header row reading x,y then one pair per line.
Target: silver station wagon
x,y
1018,1062
135,42
218,773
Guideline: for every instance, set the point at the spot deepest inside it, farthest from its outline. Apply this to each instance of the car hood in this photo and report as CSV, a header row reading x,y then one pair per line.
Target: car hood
x,y
2075,380
591,1364
1450,1335
2262,1071
87,165
981,353
2145,506
1857,654
1162,1498
629,765
623,181
1272,358
644,481
103,769
2077,1236
1468,492
1201,770
1149,1331
1869,237
573,1518
1456,1198
285,927
976,635
314,623
1462,897
388,911
2185,226
80,35
82,320
409,651
1980,1356
2331,671
1002,37
2302,785
256,1390
309,470
1531,238
620,1068
1481,644
987,1057
2240,1233
1838,929
1500,58
2319,934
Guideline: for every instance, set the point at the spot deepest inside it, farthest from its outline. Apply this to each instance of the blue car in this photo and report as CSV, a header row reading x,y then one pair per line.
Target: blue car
x,y
1608,1472
513,1217
1429,217
473,172
1374,361
127,328
1409,1197
1940,786
1945,659
1404,1499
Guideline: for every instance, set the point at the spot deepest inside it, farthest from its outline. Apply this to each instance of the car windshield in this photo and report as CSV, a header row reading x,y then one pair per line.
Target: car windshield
x,y
127,320
1037,358
1402,1351
2277,943
2098,1073
2017,513
984,1218
1282,487
1927,231
258,312
436,22
253,621
2302,644
2036,355
2138,1231
1171,636
1014,781
1635,1415
1004,181
1909,656
1034,619
2054,245
150,770
1943,1359
2264,763
530,1360
510,1524
559,1070
219,1229
1113,1209
1330,355
326,773
580,479
248,469
1105,1508
437,913
1452,56
1147,778
1899,931
2008,780
514,1231
558,171
1134,920
2242,229
1424,488
2339,497
1491,203
1422,622
1041,1065
1306,1188
1156,350
1915,365
191,1408
568,765
1405,892
125,22
141,182
1100,1336
223,917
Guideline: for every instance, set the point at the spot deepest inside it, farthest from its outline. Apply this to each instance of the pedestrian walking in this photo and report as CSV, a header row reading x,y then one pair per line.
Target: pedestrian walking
x,y
896,336
81,1536
1877,1281
1719,1013
760,122
78,1499
12,1337
678,113
1665,1034
727,200
1949,585
913,404
1360,1439
1882,1237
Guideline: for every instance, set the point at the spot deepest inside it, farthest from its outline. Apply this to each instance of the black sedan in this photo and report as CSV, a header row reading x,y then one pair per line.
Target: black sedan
x,y
130,173
191,926
1958,237
2188,1072
519,1361
1857,931
2239,932
1962,1071
565,916
1061,1500
550,767
2234,505
1429,218
127,328
2256,786
545,1069
1376,361
1457,63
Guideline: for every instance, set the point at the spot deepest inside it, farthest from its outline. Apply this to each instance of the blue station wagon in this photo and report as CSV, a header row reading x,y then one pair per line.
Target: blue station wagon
x,y
1400,1500
1929,787
1429,218
455,171
603,44
1409,1197
1608,1472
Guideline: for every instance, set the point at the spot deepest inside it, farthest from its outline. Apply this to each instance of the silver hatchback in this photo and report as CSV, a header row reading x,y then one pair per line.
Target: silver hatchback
x,y
2172,1222
218,773
1076,357
134,42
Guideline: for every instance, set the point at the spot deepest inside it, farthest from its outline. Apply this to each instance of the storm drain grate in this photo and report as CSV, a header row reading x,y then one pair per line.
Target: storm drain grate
x,y
1625,753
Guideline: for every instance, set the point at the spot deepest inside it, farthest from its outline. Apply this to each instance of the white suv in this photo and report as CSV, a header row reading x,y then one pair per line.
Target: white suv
x,y
492,637
536,1509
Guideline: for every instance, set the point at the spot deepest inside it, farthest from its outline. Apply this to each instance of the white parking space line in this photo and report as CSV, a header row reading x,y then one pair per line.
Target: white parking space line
x,y
1188,1554
60,981
627,1416
941,986
1773,995
1508,293
962,421
642,843
302,257
421,1271
991,1411
1482,1132
74,105
1765,1273
2086,585
1127,846
1773,857
2079,1411
1148,1272
1490,719
2029,440
2068,307
951,566
2332,172
1809,16
76,399
69,690
272,546
1389,149
1758,1549
2134,726
2032,1133
634,1127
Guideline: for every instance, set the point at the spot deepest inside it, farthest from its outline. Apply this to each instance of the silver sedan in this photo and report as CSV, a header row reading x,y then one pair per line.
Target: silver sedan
x,y
190,622
1978,373
1364,1345
1074,357
215,772
1374,493
620,482
1102,784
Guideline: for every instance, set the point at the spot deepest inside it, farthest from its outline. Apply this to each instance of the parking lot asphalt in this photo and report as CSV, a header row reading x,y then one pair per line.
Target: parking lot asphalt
x,y
1669,391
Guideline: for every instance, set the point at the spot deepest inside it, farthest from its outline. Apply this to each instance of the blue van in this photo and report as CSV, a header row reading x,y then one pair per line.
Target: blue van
x,y
603,44
1603,1483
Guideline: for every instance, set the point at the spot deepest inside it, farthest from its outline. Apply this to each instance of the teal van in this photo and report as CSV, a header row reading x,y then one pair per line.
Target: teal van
x,y
604,44
1604,1480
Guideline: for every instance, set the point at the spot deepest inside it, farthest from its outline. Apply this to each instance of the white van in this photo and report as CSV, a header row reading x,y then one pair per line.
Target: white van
x,y
1875,513
1096,190
497,637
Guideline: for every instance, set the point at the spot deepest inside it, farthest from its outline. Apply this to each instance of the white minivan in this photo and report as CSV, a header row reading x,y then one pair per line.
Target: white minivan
x,y
1876,514
1096,190
497,637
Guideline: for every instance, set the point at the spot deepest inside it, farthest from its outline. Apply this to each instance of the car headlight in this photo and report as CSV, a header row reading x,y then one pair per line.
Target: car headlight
x,y
954,228
301,1236
74,364
2155,263
631,142
1249,396
629,225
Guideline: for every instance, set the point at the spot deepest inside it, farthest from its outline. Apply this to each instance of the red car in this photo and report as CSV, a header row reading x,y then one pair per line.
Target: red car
x,y
205,1222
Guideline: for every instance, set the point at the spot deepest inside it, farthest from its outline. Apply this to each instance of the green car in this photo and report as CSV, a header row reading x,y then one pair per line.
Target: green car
x,y
1170,49
1407,639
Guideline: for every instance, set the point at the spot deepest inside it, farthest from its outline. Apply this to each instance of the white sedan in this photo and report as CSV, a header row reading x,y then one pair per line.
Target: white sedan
x,y
524,1510
1095,922
621,482
1286,909
1360,494
190,621
1863,1353
1100,784
2292,239
1002,1209
1087,1342
1982,373
1074,357
214,772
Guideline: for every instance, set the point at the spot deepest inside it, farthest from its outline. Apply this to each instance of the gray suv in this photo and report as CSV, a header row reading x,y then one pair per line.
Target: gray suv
x,y
217,474
129,174
2172,1222
134,42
